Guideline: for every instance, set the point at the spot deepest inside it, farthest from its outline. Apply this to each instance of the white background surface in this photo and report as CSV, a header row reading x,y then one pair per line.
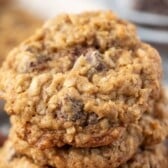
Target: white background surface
x,y
50,8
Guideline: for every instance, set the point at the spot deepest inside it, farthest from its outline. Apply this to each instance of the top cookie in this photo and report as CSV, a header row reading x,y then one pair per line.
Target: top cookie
x,y
80,80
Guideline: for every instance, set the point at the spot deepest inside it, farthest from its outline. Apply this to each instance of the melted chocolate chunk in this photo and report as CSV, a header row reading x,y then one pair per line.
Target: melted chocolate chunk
x,y
77,51
71,109
40,64
95,59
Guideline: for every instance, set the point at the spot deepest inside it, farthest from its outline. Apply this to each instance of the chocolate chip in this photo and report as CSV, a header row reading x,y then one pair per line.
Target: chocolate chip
x,y
77,51
43,59
39,64
60,114
94,57
71,109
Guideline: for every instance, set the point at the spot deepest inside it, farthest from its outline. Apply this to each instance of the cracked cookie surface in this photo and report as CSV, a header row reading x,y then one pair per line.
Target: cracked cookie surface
x,y
81,80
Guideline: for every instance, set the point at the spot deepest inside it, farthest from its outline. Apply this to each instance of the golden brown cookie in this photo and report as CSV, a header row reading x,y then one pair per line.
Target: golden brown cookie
x,y
151,129
82,80
110,156
9,159
16,25
154,157
155,125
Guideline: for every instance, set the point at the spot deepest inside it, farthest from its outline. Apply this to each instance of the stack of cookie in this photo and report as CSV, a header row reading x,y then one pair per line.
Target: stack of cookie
x,y
84,92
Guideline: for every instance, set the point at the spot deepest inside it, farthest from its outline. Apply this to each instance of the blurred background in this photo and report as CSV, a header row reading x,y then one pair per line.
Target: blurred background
x,y
20,18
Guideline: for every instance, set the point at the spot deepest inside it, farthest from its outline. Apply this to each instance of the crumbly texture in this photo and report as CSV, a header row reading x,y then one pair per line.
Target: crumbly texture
x,y
154,157
82,80
155,124
110,156
151,129
16,25
8,159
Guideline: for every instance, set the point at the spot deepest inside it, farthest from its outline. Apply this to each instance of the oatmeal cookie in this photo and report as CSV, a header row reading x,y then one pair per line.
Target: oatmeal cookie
x,y
16,25
151,129
110,156
8,159
81,80
155,125
155,157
